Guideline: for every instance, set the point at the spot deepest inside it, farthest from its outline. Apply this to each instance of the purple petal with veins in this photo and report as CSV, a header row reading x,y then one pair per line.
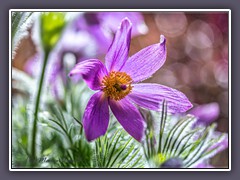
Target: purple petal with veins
x,y
144,63
96,116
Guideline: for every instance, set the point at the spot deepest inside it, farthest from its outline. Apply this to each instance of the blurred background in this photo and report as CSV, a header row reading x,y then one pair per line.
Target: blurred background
x,y
197,58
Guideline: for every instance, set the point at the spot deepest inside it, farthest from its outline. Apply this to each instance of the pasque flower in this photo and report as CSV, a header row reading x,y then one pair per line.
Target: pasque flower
x,y
116,86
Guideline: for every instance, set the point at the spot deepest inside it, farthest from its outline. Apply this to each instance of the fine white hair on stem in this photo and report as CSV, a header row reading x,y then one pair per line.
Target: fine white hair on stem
x,y
21,30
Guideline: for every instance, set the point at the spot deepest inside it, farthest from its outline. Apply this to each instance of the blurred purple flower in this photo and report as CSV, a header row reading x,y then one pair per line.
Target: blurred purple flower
x,y
31,66
206,113
103,25
115,83
54,71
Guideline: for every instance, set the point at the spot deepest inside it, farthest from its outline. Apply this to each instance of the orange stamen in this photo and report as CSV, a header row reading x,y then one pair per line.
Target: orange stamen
x,y
117,85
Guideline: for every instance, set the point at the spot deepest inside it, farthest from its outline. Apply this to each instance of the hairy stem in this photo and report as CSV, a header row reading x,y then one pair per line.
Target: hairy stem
x,y
36,109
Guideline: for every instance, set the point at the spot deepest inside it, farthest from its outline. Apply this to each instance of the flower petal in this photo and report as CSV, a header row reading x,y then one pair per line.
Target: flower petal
x,y
91,24
203,165
206,113
151,96
96,116
81,43
129,117
146,62
92,71
118,51
112,19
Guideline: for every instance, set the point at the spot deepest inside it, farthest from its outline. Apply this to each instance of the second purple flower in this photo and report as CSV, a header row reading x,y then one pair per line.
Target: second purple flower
x,y
116,86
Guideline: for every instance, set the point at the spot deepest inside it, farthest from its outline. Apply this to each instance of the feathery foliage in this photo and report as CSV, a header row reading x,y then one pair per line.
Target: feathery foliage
x,y
176,137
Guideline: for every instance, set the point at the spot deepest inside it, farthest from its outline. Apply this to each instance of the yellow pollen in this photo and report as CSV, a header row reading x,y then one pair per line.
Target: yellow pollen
x,y
117,85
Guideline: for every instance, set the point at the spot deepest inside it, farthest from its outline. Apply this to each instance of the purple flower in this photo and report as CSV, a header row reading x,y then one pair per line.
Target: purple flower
x,y
116,86
54,71
103,25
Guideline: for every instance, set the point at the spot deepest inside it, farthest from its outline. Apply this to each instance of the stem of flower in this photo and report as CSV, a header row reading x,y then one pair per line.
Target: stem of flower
x,y
36,109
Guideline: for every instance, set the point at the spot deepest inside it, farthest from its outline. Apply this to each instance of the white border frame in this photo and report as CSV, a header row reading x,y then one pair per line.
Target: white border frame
x,y
132,10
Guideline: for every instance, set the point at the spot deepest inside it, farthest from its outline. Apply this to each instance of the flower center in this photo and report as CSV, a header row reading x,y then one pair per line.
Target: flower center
x,y
117,85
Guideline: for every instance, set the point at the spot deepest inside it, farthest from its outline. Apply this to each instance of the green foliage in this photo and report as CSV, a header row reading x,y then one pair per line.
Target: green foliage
x,y
62,143
70,144
177,137
117,151
19,135
114,150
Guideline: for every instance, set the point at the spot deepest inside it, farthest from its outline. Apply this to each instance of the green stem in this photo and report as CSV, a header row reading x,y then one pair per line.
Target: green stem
x,y
36,109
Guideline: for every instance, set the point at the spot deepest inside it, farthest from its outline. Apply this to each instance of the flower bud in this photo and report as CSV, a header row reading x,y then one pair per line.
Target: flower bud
x,y
172,163
51,26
